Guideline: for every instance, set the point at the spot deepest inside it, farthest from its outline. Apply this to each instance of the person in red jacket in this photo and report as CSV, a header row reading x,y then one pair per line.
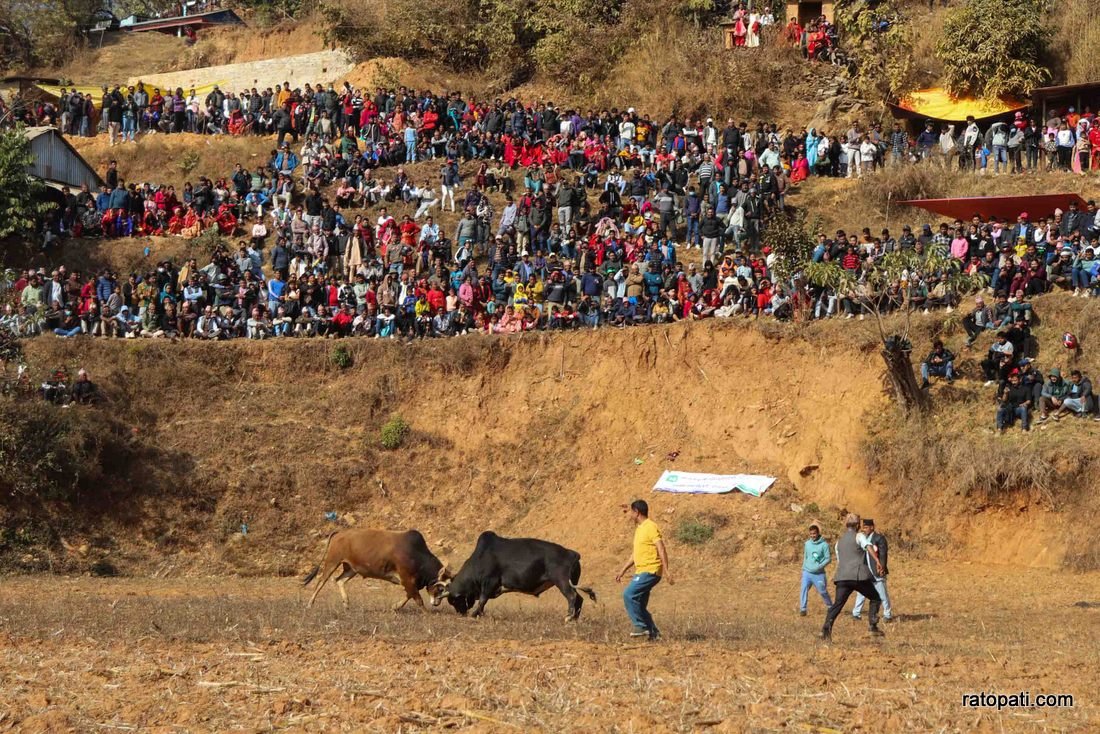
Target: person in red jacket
x,y
342,321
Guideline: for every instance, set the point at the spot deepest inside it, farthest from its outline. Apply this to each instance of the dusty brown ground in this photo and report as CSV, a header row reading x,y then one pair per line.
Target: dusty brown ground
x,y
225,654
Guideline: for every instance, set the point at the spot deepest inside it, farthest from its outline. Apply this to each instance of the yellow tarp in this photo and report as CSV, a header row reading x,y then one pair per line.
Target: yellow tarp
x,y
938,105
97,91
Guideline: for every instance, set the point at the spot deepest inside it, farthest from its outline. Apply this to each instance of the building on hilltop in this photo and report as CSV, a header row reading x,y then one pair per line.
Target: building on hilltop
x,y
808,11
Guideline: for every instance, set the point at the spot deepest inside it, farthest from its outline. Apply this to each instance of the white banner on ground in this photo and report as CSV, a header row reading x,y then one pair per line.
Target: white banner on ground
x,y
683,482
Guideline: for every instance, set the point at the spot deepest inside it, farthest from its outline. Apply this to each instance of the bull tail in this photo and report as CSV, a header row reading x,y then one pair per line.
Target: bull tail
x,y
586,589
313,574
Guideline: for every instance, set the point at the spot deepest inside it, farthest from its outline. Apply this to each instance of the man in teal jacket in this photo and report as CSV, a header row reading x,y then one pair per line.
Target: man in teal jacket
x,y
815,558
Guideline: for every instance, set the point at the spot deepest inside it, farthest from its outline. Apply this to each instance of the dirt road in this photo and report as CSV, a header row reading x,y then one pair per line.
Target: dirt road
x,y
226,654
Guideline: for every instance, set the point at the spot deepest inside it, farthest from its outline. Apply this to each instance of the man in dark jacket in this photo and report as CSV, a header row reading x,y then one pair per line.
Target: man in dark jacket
x,y
1015,403
1078,399
940,362
878,542
853,575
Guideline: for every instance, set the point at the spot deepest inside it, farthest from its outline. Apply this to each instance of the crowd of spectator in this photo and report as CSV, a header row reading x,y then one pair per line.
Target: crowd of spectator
x,y
598,211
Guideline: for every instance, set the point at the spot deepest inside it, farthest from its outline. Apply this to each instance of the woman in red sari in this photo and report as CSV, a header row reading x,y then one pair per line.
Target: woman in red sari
x,y
175,224
800,169
510,154
226,219
192,224
740,30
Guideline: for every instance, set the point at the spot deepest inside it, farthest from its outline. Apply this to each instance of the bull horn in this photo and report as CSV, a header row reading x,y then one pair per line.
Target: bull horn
x,y
442,572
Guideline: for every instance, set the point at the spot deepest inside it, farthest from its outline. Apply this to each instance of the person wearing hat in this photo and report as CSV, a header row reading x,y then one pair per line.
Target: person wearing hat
x,y
879,571
856,558
1061,274
1000,360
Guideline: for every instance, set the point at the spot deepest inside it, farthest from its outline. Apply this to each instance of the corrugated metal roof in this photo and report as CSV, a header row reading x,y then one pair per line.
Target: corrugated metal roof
x,y
1065,90
55,159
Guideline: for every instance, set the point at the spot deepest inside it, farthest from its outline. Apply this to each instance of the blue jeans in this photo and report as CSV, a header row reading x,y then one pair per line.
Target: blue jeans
x,y
1081,278
128,126
636,599
816,580
939,370
693,236
1007,415
880,587
66,333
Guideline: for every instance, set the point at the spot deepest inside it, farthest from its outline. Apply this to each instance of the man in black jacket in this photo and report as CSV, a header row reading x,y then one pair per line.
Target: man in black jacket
x,y
1015,403
879,572
940,362
853,574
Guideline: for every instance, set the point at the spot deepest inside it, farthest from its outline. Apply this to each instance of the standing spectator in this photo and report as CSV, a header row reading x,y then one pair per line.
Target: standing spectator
x,y
899,144
815,559
878,571
650,562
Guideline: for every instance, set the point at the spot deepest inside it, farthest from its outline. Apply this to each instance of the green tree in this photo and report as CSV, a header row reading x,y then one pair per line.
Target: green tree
x,y
885,286
992,48
882,60
20,193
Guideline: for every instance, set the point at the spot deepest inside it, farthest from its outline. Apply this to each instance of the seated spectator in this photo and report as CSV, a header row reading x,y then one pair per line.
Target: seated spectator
x,y
84,390
1000,360
1054,391
54,390
70,325
1015,404
1078,398
940,362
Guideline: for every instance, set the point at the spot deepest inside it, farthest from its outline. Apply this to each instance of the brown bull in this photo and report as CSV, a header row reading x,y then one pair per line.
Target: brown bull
x,y
398,557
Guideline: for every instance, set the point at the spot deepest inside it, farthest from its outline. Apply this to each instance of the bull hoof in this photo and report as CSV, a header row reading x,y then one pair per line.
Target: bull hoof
x,y
570,618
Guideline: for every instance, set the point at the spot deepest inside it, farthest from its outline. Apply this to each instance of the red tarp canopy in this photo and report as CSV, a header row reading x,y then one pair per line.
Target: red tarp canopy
x,y
1002,207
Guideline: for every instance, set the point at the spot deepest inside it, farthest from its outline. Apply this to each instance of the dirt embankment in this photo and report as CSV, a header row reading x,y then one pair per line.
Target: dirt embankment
x,y
539,435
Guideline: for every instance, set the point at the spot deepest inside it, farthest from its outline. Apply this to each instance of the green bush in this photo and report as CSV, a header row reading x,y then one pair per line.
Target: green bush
x,y
394,432
694,531
340,358
992,48
187,161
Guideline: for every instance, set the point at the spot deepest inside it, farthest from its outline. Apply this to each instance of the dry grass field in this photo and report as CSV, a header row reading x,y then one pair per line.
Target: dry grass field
x,y
224,654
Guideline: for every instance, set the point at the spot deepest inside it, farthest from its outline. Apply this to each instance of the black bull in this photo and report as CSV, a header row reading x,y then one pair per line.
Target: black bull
x,y
522,565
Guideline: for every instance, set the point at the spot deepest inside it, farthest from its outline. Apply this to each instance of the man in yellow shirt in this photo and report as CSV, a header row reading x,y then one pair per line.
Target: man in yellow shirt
x,y
650,562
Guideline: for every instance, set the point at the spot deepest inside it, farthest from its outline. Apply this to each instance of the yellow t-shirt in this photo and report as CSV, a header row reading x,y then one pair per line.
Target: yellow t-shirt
x,y
646,559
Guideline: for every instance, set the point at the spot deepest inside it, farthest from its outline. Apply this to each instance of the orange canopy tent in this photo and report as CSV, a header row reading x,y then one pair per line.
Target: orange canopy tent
x,y
937,104
1002,207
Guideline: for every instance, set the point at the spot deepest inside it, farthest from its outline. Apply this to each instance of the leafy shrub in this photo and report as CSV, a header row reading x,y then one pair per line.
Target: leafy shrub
x,y
187,161
883,59
792,240
340,357
209,240
992,48
694,531
394,432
